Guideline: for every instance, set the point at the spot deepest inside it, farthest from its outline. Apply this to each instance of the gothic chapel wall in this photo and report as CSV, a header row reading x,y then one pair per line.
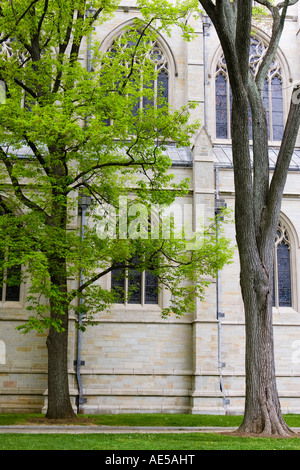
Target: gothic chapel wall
x,y
133,360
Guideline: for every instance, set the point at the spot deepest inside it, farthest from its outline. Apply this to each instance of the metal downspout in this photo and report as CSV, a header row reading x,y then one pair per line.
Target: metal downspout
x,y
79,362
84,203
206,24
219,204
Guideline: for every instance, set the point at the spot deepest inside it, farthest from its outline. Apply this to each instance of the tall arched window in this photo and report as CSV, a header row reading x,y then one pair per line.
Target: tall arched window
x,y
160,85
272,95
157,56
282,292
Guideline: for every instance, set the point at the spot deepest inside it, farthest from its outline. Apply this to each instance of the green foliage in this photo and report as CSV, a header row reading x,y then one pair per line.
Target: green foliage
x,y
83,137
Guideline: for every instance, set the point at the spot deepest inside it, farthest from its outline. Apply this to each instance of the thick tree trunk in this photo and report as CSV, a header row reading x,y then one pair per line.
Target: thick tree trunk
x,y
256,252
262,408
257,201
59,404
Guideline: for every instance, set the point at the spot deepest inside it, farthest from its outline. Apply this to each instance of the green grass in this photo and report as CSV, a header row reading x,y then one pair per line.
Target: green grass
x,y
190,441
132,419
143,419
147,441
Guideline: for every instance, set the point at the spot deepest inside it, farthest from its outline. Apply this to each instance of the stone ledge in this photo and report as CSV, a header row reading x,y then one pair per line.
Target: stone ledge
x,y
115,409
137,392
21,391
130,372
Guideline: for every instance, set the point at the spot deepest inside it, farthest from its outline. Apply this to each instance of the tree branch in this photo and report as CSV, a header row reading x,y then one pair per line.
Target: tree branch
x,y
223,18
277,28
284,158
243,35
290,3
98,276
209,7
18,20
17,187
108,164
261,168
26,88
46,4
62,49
38,155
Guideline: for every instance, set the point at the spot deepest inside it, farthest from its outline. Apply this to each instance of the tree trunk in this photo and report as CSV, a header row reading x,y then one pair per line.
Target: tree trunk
x,y
262,408
256,252
59,404
257,200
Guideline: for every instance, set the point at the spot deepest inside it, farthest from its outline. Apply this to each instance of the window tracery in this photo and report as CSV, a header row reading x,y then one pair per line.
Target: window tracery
x,y
272,94
155,53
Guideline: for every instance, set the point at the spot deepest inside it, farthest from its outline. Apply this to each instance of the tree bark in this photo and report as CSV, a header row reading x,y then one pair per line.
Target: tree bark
x,y
262,408
256,251
59,404
257,202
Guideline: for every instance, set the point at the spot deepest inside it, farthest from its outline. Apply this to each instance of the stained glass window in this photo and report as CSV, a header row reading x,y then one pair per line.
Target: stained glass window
x,y
118,284
159,86
277,108
134,285
151,288
221,107
272,95
137,287
282,292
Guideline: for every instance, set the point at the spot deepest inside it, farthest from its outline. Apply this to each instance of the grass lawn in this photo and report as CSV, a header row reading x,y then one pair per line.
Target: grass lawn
x,y
147,441
182,442
138,419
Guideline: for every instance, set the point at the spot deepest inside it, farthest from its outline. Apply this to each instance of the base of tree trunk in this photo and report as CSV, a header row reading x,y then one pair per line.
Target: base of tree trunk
x,y
282,434
267,424
65,415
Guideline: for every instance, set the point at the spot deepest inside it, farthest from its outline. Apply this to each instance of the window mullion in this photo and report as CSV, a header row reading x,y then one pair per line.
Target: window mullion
x,y
126,288
270,108
276,294
4,286
228,108
143,288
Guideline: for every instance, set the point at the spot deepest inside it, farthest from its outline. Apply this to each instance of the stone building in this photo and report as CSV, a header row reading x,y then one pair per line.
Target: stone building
x,y
133,360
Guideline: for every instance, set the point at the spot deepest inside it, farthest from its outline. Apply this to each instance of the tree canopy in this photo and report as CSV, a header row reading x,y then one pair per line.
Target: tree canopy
x,y
80,122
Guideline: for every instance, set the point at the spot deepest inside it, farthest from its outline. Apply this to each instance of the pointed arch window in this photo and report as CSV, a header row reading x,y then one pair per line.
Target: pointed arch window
x,y
272,95
159,86
282,291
